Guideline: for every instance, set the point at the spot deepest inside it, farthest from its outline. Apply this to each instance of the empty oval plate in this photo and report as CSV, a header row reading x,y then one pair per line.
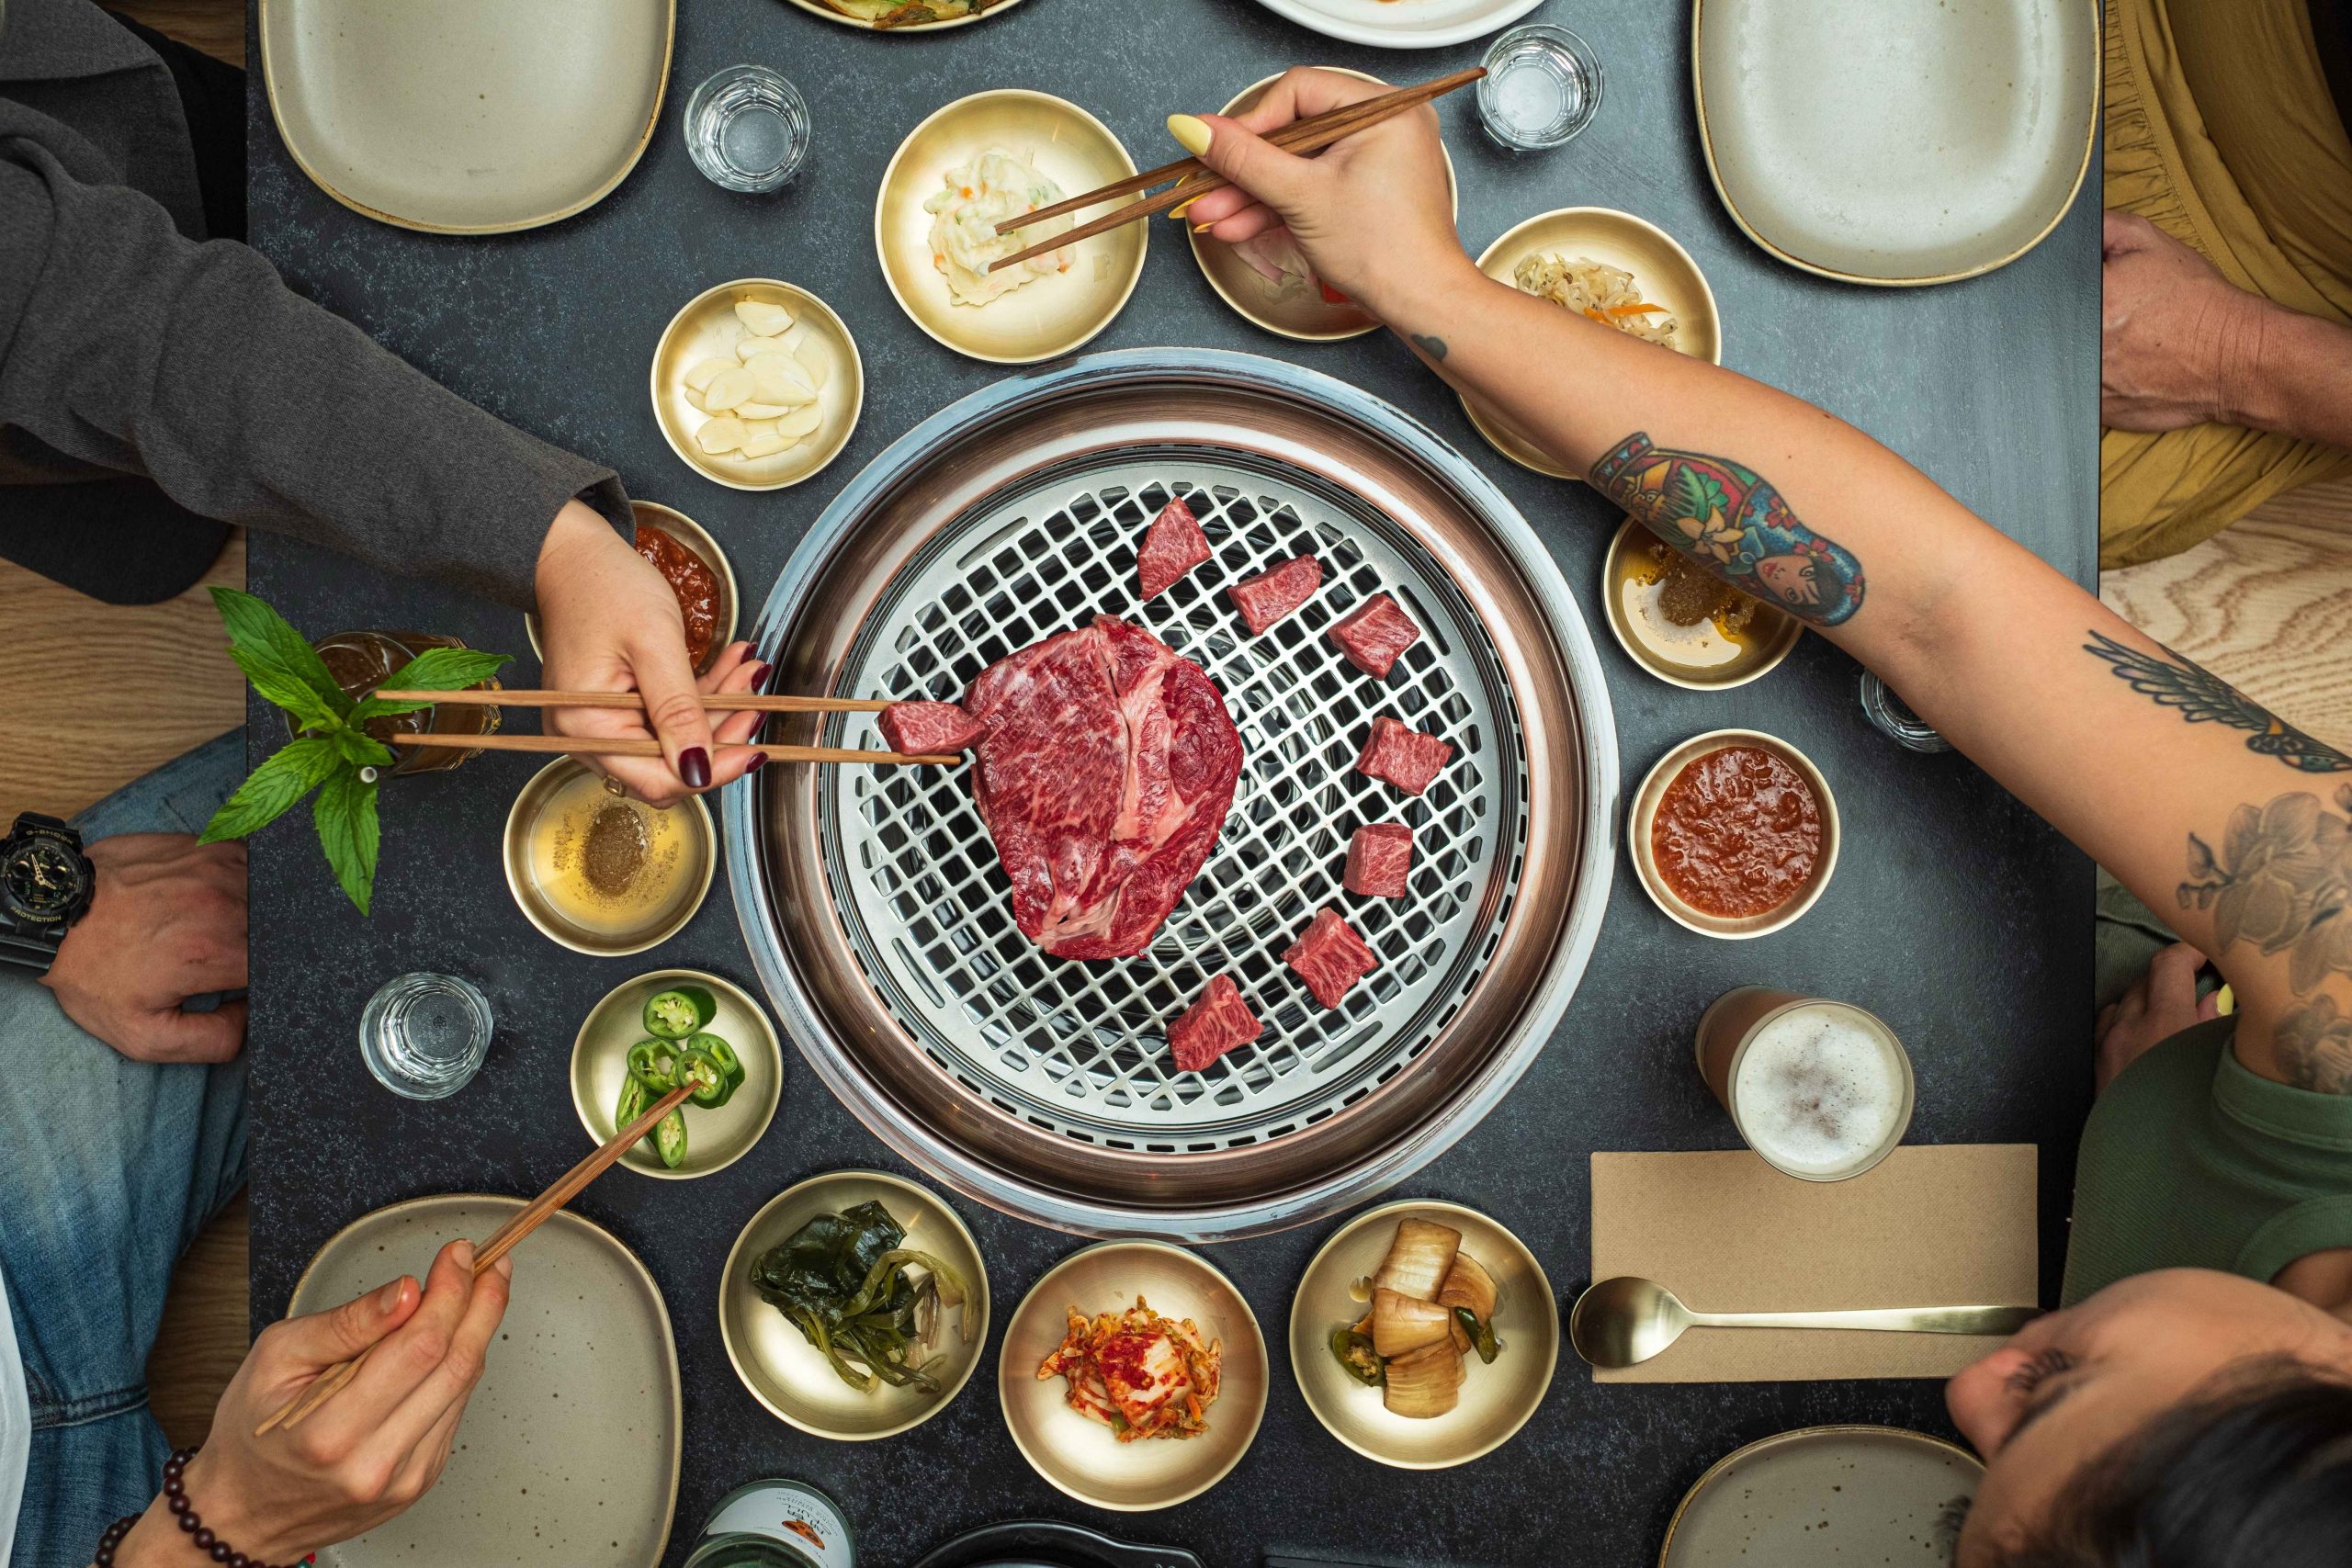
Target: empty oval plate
x,y
1792,1500
569,1451
1896,144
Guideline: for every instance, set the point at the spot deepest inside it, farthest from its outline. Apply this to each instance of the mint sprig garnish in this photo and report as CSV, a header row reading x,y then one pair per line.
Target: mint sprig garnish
x,y
334,754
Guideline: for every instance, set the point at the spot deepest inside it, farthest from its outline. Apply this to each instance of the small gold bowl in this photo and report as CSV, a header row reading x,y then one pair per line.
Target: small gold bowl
x,y
1641,819
545,845
716,1138
706,328
1662,269
1497,1400
1302,313
1082,1457
1041,319
695,537
1698,659
789,1375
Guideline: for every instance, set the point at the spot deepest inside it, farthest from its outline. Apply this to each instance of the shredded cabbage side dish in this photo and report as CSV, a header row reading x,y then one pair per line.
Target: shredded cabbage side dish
x,y
1606,294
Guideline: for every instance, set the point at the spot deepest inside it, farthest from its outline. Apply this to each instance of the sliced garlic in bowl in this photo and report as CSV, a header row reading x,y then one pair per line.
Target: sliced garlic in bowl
x,y
757,384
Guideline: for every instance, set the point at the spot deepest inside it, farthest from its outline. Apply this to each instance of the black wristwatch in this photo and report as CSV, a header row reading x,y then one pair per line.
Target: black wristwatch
x,y
46,885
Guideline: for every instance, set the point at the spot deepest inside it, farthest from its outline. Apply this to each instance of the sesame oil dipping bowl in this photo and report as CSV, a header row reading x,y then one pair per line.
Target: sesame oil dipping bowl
x,y
599,873
1641,823
1701,657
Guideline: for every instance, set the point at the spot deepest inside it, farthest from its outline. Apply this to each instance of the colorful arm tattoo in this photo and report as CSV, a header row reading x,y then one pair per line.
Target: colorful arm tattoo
x,y
2203,697
1728,519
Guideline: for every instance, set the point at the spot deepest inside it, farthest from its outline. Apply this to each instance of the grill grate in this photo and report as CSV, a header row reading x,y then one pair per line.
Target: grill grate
x,y
1078,1047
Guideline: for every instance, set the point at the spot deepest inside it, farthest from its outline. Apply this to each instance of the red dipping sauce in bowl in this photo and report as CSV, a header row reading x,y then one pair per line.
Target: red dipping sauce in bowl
x,y
1737,832
692,580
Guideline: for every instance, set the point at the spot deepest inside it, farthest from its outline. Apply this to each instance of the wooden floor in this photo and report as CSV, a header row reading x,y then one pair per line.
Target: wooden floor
x,y
112,693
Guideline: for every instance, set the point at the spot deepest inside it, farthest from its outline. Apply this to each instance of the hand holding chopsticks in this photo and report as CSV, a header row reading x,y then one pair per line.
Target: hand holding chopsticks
x,y
487,1253
1192,178
725,702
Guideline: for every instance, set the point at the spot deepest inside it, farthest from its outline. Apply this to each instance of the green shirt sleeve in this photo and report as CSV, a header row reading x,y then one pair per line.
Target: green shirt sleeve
x,y
2189,1160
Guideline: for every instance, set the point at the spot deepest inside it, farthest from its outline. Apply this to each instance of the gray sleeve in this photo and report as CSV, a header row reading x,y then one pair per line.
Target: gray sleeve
x,y
124,343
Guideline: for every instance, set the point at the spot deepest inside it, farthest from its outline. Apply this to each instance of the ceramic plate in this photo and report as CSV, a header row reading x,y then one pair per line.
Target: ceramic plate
x,y
695,537
715,1137
460,118
1896,144
1041,319
1411,24
570,1449
1497,1400
1081,1457
789,1375
706,328
1301,312
819,8
1662,269
1881,1494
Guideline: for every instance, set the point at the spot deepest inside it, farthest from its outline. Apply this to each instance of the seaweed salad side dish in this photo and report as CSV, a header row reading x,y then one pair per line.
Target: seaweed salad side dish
x,y
870,1304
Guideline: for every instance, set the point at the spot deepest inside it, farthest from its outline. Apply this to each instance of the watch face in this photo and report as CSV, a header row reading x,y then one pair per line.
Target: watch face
x,y
42,879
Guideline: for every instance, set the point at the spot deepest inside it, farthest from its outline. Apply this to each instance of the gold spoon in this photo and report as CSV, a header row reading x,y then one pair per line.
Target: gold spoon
x,y
1626,1320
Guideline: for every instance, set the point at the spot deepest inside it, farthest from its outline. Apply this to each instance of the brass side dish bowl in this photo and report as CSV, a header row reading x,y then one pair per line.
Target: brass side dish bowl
x,y
1641,817
705,328
1698,659
715,1137
695,537
1496,1399
1038,320
542,853
1302,312
790,1376
1661,267
1083,1457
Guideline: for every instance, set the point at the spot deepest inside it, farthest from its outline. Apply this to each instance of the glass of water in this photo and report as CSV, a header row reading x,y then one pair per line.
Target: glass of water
x,y
747,128
1542,86
425,1035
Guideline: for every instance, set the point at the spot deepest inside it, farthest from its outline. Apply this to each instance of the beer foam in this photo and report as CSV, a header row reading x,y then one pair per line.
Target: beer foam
x,y
1818,1091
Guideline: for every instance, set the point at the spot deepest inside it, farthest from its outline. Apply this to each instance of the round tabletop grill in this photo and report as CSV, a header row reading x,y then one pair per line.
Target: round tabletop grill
x,y
871,897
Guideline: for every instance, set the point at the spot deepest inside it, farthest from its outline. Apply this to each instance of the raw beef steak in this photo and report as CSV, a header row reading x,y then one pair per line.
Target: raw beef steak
x,y
1276,591
1172,546
1380,857
1374,634
1212,1026
1330,957
914,730
1104,777
1402,755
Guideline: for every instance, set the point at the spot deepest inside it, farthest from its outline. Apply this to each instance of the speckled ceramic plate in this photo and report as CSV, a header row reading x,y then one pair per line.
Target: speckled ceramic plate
x,y
1896,144
568,1452
819,8
1301,312
460,118
715,1137
1826,1494
1415,24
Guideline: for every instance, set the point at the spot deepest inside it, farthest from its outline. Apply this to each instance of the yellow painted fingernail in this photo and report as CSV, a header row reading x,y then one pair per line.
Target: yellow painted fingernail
x,y
1191,132
1203,228
1184,206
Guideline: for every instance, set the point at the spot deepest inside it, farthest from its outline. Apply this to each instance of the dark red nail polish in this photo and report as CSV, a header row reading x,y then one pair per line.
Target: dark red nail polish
x,y
760,678
758,760
694,766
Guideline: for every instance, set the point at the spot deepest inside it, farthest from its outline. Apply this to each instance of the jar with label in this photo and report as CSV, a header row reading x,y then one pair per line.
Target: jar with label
x,y
774,1524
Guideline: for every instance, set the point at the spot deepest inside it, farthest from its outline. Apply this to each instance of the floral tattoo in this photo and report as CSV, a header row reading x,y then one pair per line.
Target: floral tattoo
x,y
2203,697
1730,520
2282,882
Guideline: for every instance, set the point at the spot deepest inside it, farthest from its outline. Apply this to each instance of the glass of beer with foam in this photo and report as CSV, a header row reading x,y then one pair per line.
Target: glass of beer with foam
x,y
1822,1089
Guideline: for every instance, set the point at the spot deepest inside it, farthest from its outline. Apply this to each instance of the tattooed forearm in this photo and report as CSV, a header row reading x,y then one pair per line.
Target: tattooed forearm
x,y
1433,346
2203,697
2282,883
1729,520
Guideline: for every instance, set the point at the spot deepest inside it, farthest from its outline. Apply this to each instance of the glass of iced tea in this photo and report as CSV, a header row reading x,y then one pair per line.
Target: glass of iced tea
x,y
1821,1089
361,662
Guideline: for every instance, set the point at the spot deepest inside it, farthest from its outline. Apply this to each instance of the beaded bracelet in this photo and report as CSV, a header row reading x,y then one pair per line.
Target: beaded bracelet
x,y
184,1515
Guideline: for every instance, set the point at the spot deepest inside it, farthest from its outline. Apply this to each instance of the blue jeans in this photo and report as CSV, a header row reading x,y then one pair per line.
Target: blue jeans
x,y
113,1166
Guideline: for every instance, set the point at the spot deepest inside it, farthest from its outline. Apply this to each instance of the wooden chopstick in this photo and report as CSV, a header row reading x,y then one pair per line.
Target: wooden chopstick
x,y
1370,112
501,1242
1288,136
548,745
723,702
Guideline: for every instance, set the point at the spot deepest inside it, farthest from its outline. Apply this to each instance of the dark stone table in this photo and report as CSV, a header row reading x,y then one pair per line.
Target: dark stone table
x,y
1955,914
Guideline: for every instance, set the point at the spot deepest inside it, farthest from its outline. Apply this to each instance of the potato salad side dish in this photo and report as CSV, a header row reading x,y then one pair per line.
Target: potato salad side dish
x,y
974,198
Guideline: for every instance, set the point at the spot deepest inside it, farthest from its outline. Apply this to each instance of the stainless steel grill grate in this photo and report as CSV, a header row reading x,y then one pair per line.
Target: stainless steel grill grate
x,y
1078,1047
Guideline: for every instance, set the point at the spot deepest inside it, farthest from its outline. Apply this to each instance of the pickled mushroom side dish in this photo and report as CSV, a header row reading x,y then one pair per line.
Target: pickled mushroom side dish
x,y
1432,1307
